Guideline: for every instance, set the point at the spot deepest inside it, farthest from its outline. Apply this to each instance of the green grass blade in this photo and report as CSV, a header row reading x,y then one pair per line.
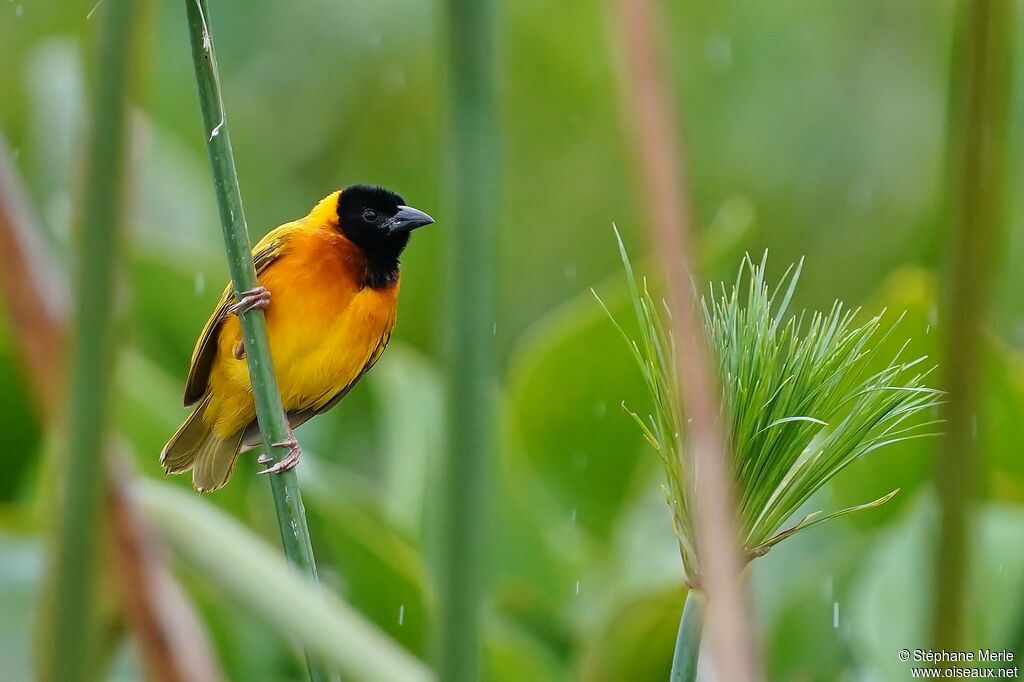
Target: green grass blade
x,y
815,519
245,569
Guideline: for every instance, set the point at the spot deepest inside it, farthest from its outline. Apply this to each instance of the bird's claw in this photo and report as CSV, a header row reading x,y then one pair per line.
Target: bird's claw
x,y
286,463
258,297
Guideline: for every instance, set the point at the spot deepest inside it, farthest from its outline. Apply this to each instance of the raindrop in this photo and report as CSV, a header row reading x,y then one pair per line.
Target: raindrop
x,y
94,7
572,516
19,10
570,271
401,614
577,588
835,615
199,283
494,329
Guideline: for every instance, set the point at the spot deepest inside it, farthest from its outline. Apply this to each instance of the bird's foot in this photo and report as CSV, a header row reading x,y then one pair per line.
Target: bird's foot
x,y
289,461
258,297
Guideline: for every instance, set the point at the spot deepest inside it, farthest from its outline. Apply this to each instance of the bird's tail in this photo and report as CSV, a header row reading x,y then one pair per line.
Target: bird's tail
x,y
195,446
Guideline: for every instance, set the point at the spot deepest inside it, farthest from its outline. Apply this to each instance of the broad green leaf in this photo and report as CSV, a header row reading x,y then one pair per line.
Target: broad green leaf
x,y
890,606
567,382
636,642
511,654
248,570
409,396
539,553
381,570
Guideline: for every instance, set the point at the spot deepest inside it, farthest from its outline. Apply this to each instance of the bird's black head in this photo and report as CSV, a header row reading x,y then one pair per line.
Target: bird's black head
x,y
378,222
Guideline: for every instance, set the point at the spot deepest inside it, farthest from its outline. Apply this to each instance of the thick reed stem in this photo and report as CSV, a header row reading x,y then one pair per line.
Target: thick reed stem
x,y
977,143
93,344
466,487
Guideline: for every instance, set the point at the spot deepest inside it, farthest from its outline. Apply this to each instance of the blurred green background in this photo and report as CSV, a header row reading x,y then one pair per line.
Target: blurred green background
x,y
813,129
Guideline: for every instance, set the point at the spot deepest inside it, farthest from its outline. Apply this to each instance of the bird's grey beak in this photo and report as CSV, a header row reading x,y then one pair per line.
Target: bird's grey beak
x,y
408,218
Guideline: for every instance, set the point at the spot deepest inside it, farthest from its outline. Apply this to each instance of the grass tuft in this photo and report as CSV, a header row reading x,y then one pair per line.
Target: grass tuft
x,y
800,400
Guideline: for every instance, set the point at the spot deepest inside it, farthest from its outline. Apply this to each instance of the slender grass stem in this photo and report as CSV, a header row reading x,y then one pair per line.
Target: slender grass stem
x,y
684,661
466,488
94,344
291,515
661,158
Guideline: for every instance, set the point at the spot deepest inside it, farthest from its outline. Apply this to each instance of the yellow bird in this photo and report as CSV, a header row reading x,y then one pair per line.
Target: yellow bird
x,y
329,285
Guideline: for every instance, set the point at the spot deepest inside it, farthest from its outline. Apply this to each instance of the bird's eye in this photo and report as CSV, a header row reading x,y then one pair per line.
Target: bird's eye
x,y
369,215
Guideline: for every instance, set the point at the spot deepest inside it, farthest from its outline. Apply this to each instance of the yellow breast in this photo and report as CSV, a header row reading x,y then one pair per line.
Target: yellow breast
x,y
323,328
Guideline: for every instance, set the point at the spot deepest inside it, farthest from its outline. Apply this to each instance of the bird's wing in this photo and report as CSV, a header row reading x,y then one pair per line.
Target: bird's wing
x,y
269,249
296,418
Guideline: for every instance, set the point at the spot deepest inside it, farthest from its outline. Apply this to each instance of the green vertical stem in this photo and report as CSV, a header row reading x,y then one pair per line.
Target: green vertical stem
x,y
684,660
465,494
98,249
979,102
291,515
